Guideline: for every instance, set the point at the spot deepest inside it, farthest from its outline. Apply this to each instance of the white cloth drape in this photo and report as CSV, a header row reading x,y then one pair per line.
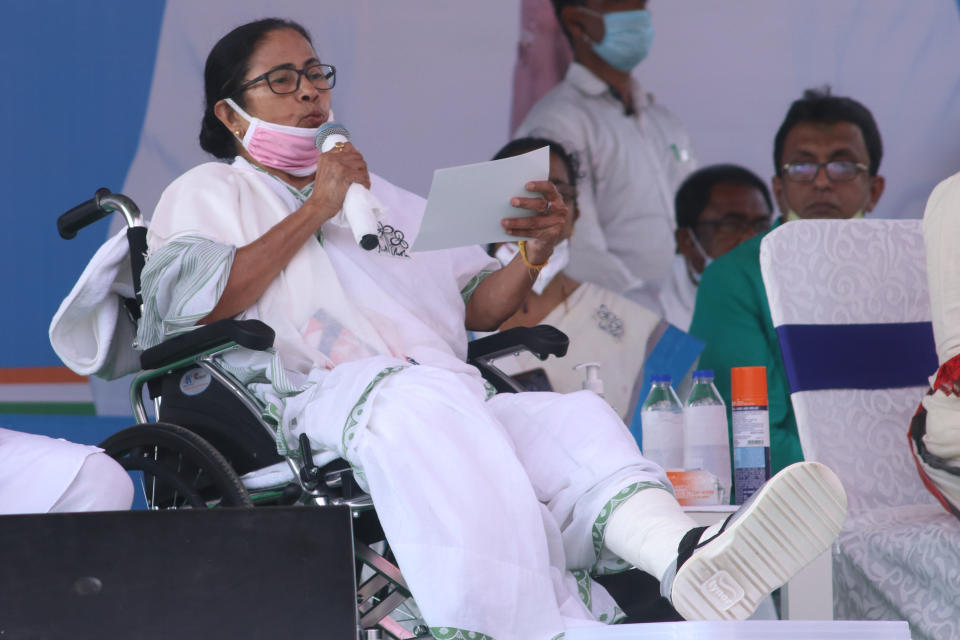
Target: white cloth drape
x,y
36,472
91,331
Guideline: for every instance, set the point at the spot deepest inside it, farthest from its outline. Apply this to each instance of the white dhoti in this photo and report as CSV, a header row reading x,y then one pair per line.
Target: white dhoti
x,y
495,509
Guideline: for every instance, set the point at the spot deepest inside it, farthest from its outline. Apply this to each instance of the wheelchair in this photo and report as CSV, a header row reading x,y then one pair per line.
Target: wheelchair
x,y
213,444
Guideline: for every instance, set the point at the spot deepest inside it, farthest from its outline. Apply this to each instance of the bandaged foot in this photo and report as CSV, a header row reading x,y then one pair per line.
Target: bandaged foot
x,y
723,572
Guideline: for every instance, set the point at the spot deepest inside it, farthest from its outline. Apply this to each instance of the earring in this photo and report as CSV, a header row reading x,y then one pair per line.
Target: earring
x,y
237,133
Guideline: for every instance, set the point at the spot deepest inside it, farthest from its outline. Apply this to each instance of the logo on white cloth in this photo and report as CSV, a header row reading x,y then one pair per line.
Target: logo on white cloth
x,y
392,241
608,321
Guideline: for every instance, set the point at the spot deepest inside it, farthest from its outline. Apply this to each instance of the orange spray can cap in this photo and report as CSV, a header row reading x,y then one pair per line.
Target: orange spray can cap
x,y
748,386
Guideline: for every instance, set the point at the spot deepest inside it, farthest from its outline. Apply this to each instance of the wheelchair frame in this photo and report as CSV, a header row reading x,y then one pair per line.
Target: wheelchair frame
x,y
385,590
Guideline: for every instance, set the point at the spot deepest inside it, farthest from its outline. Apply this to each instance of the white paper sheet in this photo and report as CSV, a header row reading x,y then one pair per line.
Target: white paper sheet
x,y
466,203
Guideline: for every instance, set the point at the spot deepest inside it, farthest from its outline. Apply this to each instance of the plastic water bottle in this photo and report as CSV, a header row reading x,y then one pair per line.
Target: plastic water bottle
x,y
706,443
751,430
662,419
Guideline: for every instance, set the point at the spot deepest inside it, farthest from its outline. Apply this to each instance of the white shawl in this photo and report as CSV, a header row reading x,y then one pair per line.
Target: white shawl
x,y
91,331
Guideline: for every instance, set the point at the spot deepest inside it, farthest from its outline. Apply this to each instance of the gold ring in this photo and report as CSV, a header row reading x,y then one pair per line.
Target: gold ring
x,y
339,146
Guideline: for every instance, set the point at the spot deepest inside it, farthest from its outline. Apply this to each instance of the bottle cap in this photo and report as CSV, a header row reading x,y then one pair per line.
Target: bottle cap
x,y
661,377
748,386
703,373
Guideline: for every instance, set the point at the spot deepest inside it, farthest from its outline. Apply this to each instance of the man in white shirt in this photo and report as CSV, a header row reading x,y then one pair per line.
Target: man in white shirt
x,y
633,152
717,208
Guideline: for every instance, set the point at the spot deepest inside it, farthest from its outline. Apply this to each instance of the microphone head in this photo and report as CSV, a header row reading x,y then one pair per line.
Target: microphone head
x,y
327,130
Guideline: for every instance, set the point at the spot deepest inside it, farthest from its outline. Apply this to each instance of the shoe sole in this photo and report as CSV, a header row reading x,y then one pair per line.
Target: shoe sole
x,y
795,517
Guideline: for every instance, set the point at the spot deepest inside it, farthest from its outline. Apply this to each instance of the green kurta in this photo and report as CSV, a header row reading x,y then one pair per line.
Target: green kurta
x,y
732,316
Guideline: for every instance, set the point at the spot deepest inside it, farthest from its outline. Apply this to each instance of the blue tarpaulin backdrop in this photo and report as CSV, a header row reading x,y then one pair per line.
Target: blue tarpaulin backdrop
x,y
76,82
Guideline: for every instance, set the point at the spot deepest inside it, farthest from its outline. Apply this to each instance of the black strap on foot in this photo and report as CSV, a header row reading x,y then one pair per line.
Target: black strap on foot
x,y
688,545
691,541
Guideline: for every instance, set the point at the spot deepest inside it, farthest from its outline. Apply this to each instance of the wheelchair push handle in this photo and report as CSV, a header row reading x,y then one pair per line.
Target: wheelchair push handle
x,y
102,203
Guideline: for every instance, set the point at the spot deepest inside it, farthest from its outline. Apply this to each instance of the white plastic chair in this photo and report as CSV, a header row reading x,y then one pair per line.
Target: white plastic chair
x,y
850,304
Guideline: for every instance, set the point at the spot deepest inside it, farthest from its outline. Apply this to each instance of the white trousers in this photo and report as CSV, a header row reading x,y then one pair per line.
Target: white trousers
x,y
495,509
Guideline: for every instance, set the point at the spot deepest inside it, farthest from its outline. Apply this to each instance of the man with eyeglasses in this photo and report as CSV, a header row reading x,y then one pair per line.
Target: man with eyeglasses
x,y
634,153
826,156
717,208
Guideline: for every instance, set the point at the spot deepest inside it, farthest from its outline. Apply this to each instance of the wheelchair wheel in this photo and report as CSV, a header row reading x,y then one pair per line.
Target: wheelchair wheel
x,y
180,469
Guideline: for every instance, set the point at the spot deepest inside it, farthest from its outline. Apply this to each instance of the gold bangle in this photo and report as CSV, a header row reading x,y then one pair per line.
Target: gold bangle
x,y
523,254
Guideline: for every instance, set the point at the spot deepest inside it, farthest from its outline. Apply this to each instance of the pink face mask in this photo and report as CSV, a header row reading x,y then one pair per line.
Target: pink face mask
x,y
289,149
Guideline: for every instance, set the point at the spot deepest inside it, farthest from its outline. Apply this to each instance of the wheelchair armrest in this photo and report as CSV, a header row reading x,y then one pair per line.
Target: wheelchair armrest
x,y
252,334
541,340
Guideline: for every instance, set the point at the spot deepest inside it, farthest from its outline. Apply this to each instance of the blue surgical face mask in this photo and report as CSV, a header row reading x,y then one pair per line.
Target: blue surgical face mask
x,y
627,38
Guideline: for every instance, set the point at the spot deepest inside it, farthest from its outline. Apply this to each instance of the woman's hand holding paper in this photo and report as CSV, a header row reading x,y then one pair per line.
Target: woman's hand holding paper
x,y
543,230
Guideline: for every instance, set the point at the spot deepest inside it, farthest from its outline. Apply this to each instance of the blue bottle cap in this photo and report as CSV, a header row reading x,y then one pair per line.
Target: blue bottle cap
x,y
661,377
703,373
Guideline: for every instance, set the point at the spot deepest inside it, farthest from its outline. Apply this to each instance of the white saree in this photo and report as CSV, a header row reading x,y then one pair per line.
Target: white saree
x,y
495,507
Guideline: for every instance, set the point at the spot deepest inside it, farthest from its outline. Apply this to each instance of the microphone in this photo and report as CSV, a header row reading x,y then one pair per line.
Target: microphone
x,y
359,205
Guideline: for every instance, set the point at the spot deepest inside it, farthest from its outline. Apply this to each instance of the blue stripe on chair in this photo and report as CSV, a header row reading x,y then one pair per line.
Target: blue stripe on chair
x,y
858,356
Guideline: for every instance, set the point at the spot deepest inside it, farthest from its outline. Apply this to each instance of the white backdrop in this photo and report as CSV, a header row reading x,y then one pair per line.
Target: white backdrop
x,y
731,69
424,84
421,84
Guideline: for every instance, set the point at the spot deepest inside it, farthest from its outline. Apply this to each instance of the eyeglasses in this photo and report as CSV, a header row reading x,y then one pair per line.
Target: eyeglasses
x,y
837,170
737,226
287,79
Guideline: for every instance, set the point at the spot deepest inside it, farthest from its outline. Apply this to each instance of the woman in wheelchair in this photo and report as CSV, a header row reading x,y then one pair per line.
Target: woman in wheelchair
x,y
498,508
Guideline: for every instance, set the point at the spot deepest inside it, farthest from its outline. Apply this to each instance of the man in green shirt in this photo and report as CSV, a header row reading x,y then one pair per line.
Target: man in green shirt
x,y
826,156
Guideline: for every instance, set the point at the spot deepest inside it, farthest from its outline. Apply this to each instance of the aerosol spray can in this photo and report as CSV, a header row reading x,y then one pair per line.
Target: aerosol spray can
x,y
751,431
